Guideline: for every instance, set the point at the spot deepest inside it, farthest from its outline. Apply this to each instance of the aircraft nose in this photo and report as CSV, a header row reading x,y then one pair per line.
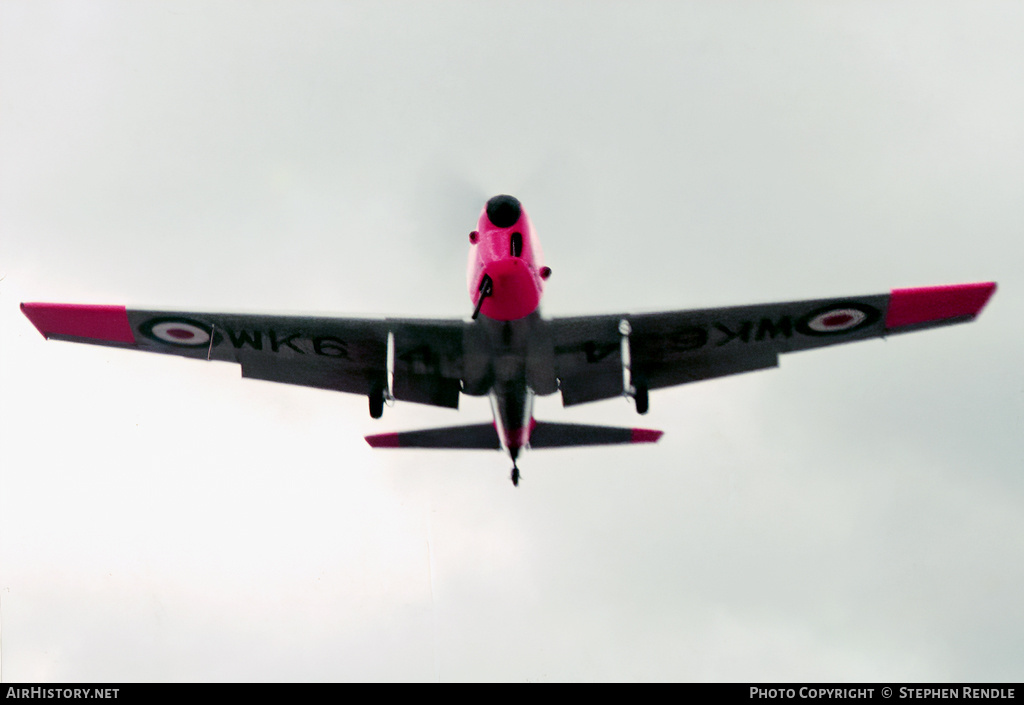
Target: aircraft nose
x,y
503,211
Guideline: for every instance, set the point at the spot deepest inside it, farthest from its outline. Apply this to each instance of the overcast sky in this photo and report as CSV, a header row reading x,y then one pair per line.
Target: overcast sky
x,y
856,514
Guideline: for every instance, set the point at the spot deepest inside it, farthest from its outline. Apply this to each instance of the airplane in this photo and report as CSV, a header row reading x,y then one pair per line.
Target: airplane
x,y
506,350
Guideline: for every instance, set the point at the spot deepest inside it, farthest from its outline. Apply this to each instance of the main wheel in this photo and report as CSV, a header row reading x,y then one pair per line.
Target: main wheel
x,y
642,402
376,403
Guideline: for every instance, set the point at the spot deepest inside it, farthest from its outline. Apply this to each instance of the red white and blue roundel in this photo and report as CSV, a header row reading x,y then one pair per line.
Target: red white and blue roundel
x,y
838,318
183,332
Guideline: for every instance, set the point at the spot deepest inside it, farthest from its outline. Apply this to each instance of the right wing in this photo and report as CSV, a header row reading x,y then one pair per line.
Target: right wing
x,y
677,347
343,354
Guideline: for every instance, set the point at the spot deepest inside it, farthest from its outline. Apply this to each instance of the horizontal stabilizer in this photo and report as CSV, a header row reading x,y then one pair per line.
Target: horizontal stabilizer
x,y
480,436
563,435
544,435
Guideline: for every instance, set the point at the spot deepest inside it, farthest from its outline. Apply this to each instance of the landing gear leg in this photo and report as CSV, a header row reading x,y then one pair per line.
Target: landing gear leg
x,y
486,289
515,475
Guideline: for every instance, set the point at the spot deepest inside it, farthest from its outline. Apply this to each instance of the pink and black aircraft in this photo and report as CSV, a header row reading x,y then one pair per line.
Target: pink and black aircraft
x,y
507,351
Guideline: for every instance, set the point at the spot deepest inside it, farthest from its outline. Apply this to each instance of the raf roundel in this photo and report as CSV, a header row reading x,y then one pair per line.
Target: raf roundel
x,y
835,319
182,332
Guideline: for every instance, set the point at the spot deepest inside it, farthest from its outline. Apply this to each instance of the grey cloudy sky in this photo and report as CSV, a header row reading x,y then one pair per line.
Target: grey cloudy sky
x,y
854,515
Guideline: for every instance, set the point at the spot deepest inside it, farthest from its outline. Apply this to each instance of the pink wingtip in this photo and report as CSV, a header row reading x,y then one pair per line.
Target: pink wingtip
x,y
936,303
383,440
81,321
646,435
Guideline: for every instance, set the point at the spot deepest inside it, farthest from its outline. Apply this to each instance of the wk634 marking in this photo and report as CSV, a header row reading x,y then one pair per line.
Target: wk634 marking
x,y
835,319
189,333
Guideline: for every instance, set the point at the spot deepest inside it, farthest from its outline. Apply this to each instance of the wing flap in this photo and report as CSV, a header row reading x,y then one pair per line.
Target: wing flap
x,y
428,361
591,385
695,368
312,373
587,360
428,389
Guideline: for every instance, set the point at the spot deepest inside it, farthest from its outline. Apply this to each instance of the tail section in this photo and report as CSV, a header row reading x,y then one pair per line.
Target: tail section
x,y
544,435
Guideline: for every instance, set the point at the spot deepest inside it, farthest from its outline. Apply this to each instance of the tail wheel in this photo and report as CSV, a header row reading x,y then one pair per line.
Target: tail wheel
x,y
642,402
377,403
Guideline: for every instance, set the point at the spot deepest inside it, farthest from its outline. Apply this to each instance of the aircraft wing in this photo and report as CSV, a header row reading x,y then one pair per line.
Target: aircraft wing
x,y
343,354
677,347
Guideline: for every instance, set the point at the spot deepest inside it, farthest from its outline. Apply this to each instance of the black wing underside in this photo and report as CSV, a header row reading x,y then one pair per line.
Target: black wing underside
x,y
428,357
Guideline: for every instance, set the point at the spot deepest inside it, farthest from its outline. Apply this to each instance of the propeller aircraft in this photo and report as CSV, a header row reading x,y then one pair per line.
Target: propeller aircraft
x,y
506,350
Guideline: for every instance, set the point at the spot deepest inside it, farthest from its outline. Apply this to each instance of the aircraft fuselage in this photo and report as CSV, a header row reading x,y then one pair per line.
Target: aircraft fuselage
x,y
509,354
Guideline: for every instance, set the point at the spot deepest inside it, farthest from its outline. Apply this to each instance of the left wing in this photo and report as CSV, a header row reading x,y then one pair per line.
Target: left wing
x,y
343,354
667,349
